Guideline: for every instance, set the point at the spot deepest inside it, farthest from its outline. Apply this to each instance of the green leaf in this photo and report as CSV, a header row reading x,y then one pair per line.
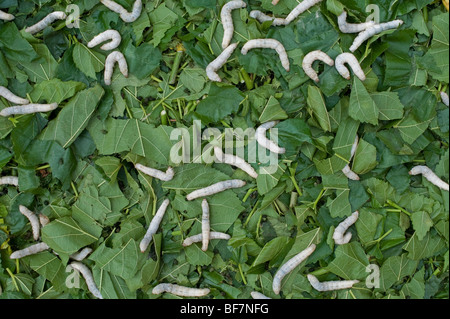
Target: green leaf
x,y
272,111
394,269
87,61
317,104
389,105
365,158
362,106
350,262
430,245
422,223
55,91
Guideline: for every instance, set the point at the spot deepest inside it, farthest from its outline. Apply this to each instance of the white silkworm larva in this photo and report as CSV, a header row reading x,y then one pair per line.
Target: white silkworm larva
x,y
227,20
87,275
81,255
353,62
262,140
302,7
112,35
371,31
167,176
198,238
9,180
330,285
43,220
124,14
289,266
206,225
31,250
309,60
430,176
28,109
235,161
112,58
351,27
262,17
49,19
34,221
347,170
6,16
338,235
445,98
216,188
154,225
258,295
7,94
268,44
214,66
180,290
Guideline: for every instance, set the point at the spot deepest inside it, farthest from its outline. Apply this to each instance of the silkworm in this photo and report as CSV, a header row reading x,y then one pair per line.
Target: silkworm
x,y
206,225
302,7
112,35
338,235
262,140
28,109
216,188
198,238
371,31
353,62
258,295
7,94
112,58
124,14
227,20
235,161
167,176
87,275
6,16
31,250
49,19
309,60
289,266
347,170
180,290
445,98
352,27
262,17
9,180
275,2
214,66
268,44
430,176
330,285
43,220
154,225
81,255
34,221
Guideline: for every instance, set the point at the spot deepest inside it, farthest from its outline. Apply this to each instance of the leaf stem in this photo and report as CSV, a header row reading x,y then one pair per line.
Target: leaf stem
x,y
242,274
176,64
251,213
392,204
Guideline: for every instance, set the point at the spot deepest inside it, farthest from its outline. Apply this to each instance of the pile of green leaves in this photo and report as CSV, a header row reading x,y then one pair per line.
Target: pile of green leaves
x,y
76,164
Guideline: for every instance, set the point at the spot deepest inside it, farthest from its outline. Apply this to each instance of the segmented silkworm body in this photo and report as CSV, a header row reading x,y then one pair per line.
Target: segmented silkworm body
x,y
9,180
445,98
262,17
309,60
235,161
430,176
206,225
258,295
34,220
353,62
371,31
275,2
154,225
81,255
216,188
7,94
87,275
339,236
28,109
112,58
268,44
112,35
351,27
214,66
49,19
302,7
180,290
198,238
330,285
289,266
43,220
347,170
32,250
167,176
262,140
227,20
6,16
124,14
